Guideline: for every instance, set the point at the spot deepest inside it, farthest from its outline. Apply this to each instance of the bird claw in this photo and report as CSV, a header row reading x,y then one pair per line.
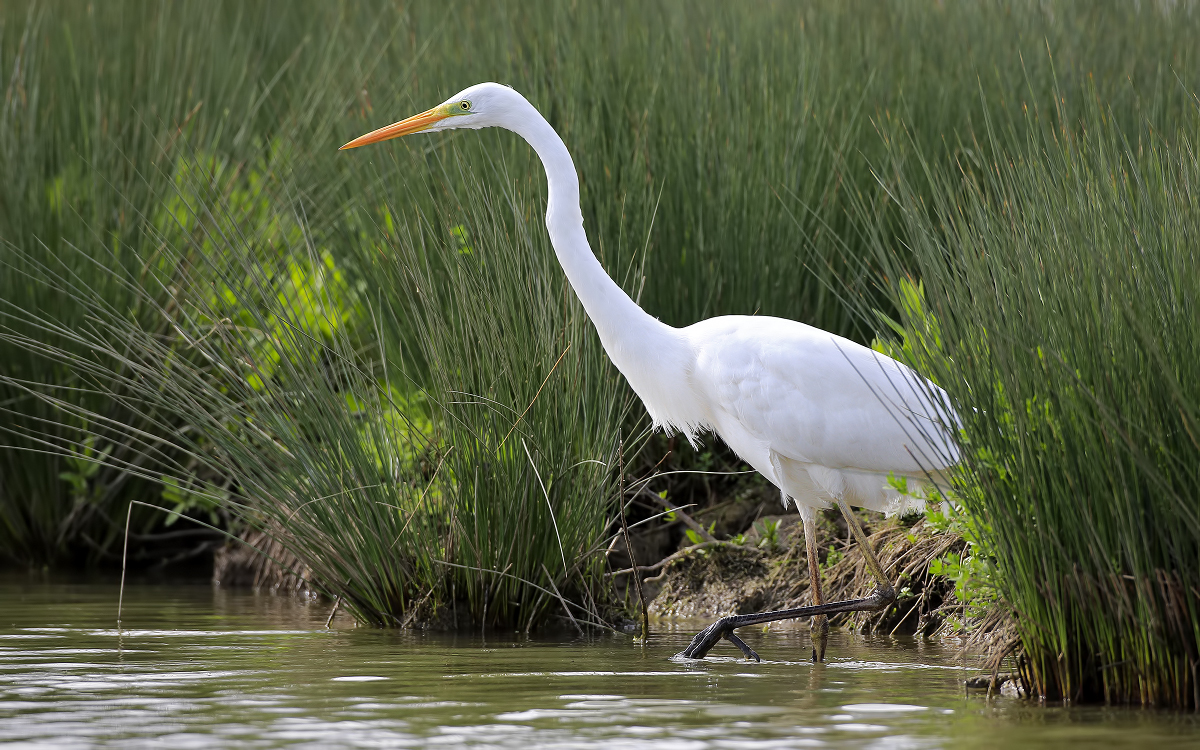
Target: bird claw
x,y
746,650
704,641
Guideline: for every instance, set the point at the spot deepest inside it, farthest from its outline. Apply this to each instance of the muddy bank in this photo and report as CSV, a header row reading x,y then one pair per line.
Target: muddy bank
x,y
764,567
717,578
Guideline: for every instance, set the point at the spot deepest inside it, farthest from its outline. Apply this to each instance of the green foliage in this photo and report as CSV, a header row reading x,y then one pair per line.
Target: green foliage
x,y
207,499
974,571
518,386
100,100
899,484
918,341
1057,262
82,467
832,557
768,530
695,538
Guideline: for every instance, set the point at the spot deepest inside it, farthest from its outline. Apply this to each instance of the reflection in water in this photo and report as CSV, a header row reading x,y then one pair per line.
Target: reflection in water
x,y
204,667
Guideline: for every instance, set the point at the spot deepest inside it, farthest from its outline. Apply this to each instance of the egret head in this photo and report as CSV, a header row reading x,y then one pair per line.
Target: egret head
x,y
483,105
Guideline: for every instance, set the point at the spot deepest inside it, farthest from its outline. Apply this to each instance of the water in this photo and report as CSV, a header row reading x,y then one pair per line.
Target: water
x,y
203,667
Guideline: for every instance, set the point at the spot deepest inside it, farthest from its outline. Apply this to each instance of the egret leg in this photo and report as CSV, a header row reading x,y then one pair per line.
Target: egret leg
x,y
883,596
882,584
819,627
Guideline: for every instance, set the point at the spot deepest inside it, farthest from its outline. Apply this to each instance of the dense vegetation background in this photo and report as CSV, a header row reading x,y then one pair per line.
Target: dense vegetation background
x,y
373,358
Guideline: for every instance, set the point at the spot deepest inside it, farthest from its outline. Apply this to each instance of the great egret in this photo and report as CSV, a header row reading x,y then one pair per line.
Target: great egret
x,y
823,418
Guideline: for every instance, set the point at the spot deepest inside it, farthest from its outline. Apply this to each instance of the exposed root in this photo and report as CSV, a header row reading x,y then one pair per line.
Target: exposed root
x,y
249,564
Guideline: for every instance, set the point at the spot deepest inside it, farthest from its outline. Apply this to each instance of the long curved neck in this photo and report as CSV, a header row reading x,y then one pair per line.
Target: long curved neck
x,y
614,314
655,358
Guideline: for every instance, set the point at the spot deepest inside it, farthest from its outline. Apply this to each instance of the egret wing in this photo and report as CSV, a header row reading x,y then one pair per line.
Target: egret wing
x,y
819,398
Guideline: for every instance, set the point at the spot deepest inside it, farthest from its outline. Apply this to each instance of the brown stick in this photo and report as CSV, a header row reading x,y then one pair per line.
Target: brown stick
x,y
692,523
124,557
332,612
637,579
675,556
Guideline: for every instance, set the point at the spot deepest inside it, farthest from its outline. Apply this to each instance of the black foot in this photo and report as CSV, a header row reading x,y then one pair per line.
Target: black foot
x,y
710,636
704,641
746,650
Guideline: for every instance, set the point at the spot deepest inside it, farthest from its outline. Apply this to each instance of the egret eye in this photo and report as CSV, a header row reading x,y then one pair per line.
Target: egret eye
x,y
464,105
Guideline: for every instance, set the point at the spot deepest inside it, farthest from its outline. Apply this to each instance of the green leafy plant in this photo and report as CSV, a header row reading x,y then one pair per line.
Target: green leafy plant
x,y
833,556
974,571
695,538
207,499
768,530
83,465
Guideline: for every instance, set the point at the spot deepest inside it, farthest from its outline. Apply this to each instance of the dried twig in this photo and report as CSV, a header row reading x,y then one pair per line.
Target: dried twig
x,y
681,553
561,600
691,522
333,612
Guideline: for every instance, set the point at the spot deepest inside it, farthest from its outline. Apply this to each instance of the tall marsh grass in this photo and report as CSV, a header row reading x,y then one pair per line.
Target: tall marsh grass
x,y
1060,307
101,102
483,485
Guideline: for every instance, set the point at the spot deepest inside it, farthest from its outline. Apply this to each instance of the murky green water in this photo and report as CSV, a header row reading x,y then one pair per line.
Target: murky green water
x,y
199,667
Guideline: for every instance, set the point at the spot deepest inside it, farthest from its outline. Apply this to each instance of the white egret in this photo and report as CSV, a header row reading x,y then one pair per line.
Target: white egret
x,y
826,420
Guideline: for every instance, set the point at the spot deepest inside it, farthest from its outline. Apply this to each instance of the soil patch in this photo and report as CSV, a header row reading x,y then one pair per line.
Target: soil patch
x,y
759,574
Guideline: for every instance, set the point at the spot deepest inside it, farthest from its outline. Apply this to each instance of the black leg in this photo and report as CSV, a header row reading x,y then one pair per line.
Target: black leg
x,y
882,597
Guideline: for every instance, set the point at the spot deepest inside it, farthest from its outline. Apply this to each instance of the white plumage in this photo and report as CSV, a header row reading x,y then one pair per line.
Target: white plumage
x,y
823,418
820,416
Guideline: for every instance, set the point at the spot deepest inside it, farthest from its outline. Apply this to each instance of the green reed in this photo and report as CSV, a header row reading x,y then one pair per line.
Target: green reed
x,y
1058,264
101,101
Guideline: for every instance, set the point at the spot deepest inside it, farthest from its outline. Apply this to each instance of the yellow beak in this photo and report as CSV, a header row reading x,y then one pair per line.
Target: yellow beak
x,y
414,124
